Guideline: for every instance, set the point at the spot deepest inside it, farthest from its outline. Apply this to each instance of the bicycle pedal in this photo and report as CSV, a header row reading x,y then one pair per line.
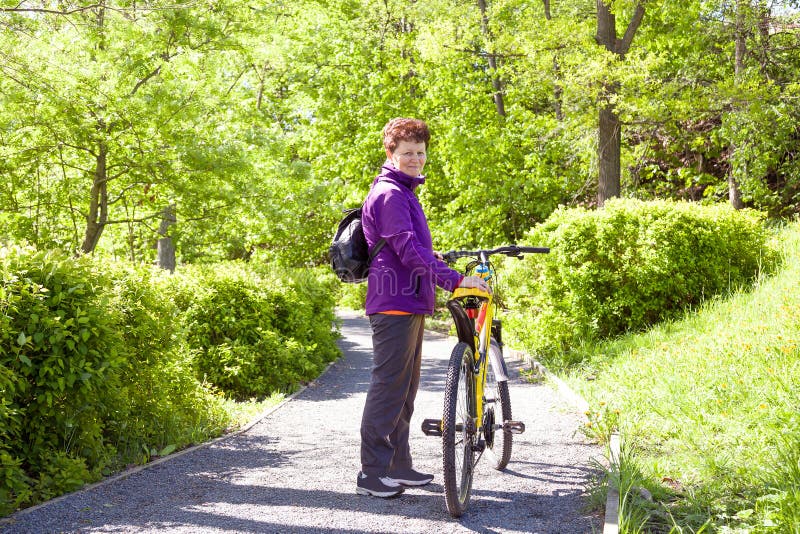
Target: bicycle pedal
x,y
432,427
480,446
515,427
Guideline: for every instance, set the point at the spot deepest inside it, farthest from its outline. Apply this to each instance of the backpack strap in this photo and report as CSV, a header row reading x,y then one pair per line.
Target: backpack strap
x,y
377,248
378,244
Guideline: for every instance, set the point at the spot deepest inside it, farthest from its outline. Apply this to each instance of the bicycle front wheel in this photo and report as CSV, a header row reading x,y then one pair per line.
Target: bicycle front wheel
x,y
458,429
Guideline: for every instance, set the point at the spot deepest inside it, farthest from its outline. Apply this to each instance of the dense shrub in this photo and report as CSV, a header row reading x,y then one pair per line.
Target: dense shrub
x,y
90,377
99,360
60,342
164,406
252,333
628,266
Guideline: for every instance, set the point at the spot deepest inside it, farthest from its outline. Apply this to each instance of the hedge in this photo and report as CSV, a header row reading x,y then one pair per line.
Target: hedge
x,y
104,364
626,267
252,333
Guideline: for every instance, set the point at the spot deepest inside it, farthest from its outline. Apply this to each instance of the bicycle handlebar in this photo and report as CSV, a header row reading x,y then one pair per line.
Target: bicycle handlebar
x,y
511,250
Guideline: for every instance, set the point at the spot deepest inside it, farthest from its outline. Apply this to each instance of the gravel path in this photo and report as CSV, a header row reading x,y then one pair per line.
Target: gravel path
x,y
294,471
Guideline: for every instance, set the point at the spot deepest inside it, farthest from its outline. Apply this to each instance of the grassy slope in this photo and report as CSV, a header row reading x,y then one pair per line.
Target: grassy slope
x,y
710,404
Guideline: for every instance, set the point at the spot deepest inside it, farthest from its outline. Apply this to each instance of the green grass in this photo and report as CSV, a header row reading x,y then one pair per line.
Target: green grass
x,y
243,412
709,410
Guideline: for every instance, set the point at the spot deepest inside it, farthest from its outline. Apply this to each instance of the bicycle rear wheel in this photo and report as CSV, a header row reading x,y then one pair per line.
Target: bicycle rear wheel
x,y
458,429
498,410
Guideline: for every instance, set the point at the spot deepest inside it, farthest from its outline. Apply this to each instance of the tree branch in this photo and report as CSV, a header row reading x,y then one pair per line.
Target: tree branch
x,y
54,11
487,54
624,44
136,220
85,149
242,73
119,197
144,80
166,56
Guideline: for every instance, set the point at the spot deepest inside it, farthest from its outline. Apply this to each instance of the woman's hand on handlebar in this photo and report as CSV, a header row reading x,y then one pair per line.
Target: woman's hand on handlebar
x,y
476,282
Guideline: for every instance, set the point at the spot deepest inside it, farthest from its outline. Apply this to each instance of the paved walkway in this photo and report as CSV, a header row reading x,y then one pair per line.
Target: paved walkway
x,y
294,471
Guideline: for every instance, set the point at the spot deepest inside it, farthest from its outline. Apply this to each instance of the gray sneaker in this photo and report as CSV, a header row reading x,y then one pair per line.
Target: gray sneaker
x,y
409,477
377,486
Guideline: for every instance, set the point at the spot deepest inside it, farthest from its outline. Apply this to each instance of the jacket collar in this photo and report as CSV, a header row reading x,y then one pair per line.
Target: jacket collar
x,y
388,171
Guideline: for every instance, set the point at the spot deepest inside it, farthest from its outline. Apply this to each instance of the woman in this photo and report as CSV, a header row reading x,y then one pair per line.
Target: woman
x,y
400,293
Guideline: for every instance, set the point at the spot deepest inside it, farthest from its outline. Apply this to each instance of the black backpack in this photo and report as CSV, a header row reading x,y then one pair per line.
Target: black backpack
x,y
349,253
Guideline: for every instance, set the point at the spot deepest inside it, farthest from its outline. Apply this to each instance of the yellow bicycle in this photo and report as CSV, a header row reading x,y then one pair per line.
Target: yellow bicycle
x,y
477,405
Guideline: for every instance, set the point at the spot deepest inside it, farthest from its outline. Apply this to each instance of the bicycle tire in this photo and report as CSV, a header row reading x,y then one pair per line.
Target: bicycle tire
x,y
503,440
457,443
497,409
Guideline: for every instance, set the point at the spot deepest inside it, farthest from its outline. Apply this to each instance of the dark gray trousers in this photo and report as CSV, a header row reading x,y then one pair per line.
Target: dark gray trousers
x,y
397,347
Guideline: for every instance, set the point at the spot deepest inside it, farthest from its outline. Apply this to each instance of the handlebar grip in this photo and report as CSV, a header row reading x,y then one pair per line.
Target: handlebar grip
x,y
535,250
453,255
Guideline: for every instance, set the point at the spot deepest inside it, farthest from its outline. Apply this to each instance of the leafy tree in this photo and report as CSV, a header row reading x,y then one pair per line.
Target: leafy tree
x,y
258,124
126,122
703,131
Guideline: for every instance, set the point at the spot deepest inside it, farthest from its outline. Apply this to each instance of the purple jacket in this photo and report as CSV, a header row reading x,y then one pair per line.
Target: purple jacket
x,y
405,272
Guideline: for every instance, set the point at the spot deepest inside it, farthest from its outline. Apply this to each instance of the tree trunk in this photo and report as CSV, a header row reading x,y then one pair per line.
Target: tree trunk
x,y
165,246
606,27
740,50
97,216
608,152
497,83
740,40
98,202
608,132
734,195
609,135
558,90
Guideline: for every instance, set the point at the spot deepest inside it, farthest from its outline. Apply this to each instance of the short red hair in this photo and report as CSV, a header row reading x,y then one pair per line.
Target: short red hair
x,y
400,129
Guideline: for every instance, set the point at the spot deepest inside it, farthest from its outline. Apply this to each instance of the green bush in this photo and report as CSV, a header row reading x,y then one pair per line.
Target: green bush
x,y
628,266
92,374
253,333
99,360
160,403
62,350
352,296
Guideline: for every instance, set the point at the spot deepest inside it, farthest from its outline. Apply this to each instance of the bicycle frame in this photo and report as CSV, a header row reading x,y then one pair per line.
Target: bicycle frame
x,y
477,333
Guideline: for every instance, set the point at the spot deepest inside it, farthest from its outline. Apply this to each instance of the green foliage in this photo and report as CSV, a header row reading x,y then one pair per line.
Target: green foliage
x,y
253,334
258,125
711,402
91,374
159,402
352,296
629,266
61,343
15,485
99,360
781,504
